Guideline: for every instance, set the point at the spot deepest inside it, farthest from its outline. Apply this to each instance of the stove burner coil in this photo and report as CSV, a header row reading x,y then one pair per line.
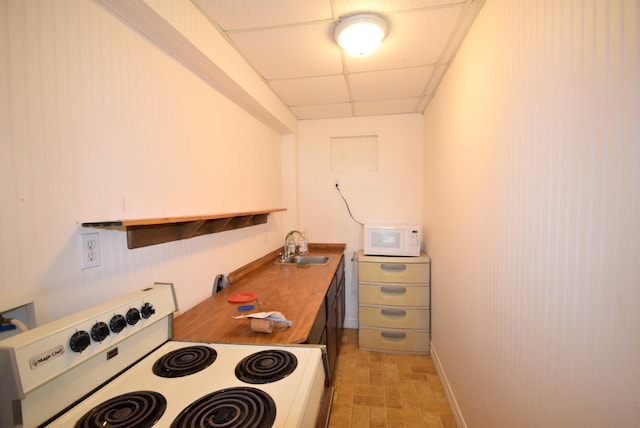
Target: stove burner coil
x,y
266,366
140,409
240,407
184,361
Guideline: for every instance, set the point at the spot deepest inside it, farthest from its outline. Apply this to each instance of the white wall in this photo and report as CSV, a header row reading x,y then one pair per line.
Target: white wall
x,y
99,124
390,194
532,215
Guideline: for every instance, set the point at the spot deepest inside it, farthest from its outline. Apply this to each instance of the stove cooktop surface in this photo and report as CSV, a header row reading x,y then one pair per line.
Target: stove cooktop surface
x,y
292,396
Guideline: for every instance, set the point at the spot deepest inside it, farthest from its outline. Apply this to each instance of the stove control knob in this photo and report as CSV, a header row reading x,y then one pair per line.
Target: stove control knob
x,y
117,323
133,316
147,310
100,331
79,341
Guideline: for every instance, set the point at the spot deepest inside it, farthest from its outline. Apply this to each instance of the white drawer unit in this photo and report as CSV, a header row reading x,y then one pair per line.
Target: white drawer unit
x,y
394,303
393,294
394,340
393,317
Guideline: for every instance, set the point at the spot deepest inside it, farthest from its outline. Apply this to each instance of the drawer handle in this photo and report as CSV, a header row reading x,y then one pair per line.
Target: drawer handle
x,y
393,290
392,335
394,267
393,312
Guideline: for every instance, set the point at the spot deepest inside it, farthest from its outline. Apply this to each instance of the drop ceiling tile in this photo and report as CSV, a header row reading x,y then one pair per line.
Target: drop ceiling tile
x,y
290,45
313,90
322,111
244,14
286,52
347,7
390,84
372,108
414,39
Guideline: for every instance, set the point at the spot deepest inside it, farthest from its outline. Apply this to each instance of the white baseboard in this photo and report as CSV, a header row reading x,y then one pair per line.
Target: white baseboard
x,y
457,414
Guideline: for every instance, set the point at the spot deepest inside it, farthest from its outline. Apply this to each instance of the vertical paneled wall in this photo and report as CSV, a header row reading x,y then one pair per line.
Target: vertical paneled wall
x,y
99,124
533,216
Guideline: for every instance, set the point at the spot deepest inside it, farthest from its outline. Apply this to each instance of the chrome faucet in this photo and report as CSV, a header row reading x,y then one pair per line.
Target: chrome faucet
x,y
290,244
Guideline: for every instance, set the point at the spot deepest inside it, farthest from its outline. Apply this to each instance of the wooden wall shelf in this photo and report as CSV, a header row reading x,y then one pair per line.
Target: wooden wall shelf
x,y
145,232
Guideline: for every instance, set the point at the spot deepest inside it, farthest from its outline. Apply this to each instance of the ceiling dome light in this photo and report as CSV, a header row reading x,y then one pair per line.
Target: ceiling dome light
x,y
360,35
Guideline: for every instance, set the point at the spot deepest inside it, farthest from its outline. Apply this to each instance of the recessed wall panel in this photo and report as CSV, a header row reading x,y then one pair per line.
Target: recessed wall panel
x,y
353,154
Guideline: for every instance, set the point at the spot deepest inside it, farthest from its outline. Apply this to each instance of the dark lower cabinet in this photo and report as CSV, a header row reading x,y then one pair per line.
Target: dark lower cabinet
x,y
335,317
329,324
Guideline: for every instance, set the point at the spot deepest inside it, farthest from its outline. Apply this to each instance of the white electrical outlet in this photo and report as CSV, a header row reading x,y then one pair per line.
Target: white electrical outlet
x,y
90,250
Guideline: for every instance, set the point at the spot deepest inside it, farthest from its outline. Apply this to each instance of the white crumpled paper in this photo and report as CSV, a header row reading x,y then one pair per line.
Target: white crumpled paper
x,y
271,316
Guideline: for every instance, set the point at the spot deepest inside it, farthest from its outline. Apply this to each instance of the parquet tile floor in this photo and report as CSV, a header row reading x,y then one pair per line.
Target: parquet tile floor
x,y
386,390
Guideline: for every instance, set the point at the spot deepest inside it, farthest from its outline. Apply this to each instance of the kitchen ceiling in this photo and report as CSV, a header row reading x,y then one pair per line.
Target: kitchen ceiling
x,y
290,45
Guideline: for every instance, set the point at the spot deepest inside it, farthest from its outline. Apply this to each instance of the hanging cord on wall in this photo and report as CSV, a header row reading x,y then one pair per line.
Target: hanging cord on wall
x,y
347,204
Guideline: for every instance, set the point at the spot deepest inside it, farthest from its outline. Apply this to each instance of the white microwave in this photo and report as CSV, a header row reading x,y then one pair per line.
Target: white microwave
x,y
392,240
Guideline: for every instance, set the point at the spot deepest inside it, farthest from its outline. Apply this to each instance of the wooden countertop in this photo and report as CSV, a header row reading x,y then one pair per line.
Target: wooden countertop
x,y
297,292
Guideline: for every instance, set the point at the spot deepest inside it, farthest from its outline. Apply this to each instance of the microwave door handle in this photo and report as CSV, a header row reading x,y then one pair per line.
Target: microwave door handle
x,y
393,267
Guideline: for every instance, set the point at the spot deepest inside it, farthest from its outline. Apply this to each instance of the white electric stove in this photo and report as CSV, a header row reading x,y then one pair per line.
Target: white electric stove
x,y
114,366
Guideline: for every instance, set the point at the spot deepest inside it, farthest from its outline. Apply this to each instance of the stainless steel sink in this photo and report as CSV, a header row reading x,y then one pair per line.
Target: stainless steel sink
x,y
306,260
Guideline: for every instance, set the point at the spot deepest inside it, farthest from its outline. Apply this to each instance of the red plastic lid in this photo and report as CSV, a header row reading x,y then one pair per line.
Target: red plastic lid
x,y
243,297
